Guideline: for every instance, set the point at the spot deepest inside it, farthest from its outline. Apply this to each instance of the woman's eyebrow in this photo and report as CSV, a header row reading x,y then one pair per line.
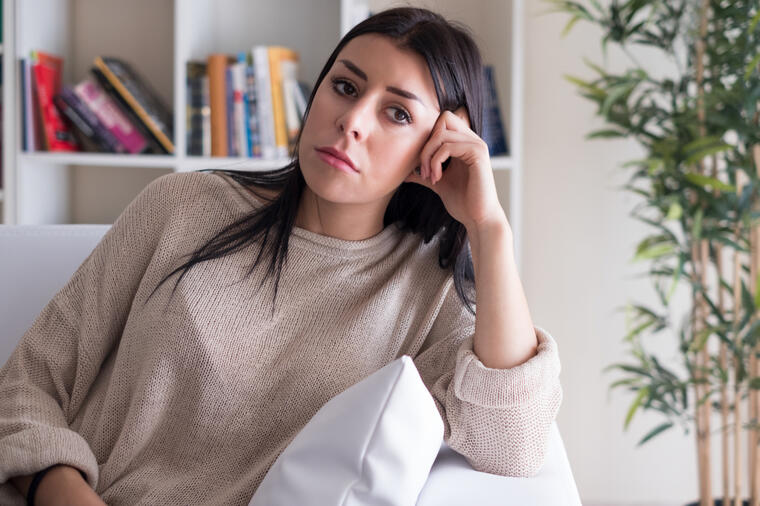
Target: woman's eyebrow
x,y
398,91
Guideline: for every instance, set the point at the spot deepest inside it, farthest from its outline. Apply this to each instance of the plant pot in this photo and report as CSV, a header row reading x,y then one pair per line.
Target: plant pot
x,y
719,502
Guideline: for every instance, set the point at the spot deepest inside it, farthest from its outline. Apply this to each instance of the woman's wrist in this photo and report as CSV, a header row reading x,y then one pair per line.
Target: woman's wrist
x,y
60,484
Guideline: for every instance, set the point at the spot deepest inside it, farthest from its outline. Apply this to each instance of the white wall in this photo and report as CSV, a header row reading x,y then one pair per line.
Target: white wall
x,y
579,239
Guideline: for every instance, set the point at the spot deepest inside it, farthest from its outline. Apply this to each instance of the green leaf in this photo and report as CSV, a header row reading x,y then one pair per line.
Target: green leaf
x,y
569,25
635,406
705,181
700,339
615,93
599,70
705,152
605,133
754,22
595,91
754,383
656,251
636,331
626,381
657,430
751,66
676,277
675,211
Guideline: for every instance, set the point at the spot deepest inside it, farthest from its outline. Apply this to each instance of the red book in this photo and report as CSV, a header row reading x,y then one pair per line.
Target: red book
x,y
47,75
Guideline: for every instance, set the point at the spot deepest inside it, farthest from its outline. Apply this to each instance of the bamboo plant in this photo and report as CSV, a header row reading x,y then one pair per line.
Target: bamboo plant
x,y
699,182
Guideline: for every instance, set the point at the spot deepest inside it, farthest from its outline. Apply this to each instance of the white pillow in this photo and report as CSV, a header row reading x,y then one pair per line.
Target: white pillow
x,y
372,444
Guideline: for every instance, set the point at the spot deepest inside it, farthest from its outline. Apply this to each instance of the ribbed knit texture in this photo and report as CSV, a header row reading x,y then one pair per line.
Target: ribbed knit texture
x,y
190,401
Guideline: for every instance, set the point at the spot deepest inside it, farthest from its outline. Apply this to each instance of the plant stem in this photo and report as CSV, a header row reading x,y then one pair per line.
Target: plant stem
x,y
700,258
740,181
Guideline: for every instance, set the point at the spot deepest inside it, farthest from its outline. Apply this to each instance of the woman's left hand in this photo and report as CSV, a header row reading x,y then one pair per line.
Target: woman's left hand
x,y
467,186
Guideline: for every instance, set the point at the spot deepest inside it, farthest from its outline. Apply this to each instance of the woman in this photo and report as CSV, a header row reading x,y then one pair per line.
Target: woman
x,y
376,236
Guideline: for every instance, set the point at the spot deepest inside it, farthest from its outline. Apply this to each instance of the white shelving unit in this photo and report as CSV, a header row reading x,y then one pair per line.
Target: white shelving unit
x,y
158,37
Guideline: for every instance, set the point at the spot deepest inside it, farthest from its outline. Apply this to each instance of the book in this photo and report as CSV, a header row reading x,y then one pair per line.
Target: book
x,y
292,118
87,122
232,133
264,101
254,137
206,117
276,55
139,99
27,127
241,104
217,67
493,130
46,71
111,115
196,71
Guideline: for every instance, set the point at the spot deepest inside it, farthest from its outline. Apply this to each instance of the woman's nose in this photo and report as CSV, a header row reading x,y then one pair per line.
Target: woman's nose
x,y
356,119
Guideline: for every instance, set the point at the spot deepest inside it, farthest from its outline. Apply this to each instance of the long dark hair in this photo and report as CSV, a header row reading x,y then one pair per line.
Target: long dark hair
x,y
456,67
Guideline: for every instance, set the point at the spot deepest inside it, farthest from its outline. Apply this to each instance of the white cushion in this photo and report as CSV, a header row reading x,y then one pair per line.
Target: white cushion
x,y
373,444
453,482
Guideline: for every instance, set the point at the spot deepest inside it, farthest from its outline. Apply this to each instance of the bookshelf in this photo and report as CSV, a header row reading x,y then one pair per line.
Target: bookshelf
x,y
158,37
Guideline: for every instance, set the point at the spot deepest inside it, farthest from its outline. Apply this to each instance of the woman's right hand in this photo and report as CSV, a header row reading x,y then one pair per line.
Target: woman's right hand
x,y
64,486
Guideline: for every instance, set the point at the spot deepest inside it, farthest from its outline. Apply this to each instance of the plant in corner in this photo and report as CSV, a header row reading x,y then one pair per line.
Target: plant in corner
x,y
699,187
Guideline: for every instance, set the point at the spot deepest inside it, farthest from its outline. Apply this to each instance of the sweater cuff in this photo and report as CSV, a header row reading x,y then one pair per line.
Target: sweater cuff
x,y
34,449
485,386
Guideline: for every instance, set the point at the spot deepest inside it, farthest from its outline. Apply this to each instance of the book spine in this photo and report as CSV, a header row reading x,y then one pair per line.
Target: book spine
x,y
253,117
217,64
264,102
80,114
111,116
231,125
76,120
276,54
237,71
26,103
206,114
298,94
58,136
244,61
292,120
194,108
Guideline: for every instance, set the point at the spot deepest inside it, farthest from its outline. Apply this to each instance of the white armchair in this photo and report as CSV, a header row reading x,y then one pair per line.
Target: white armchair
x,y
37,260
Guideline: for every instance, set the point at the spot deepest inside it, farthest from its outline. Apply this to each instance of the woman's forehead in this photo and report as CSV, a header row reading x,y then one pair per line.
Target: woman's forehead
x,y
377,58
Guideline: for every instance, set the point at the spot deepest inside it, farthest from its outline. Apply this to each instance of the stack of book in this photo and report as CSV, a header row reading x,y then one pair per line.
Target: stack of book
x,y
112,110
246,105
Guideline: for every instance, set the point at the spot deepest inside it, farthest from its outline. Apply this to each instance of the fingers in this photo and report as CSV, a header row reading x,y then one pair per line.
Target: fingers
x,y
447,122
456,149
434,143
415,177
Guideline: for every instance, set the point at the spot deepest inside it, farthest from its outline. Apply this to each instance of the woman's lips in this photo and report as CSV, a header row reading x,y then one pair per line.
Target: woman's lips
x,y
335,162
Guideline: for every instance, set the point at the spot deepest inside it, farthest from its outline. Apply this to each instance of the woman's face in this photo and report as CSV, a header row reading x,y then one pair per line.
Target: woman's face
x,y
364,108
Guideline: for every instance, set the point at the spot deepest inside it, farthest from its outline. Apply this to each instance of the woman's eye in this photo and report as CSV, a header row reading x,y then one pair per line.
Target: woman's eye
x,y
337,82
406,118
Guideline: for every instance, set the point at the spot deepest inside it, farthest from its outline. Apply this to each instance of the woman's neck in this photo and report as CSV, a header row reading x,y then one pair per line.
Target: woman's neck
x,y
350,222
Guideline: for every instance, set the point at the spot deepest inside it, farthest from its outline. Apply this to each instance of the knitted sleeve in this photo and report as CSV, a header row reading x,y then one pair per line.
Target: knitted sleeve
x,y
47,377
498,419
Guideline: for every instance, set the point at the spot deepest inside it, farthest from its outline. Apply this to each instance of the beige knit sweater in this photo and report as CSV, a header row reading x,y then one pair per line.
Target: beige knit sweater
x,y
194,404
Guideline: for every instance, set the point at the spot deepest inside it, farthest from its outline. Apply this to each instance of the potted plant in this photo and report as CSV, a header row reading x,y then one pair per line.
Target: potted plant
x,y
699,187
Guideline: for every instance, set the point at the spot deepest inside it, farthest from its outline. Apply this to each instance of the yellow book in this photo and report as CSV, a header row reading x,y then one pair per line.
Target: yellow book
x,y
276,55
